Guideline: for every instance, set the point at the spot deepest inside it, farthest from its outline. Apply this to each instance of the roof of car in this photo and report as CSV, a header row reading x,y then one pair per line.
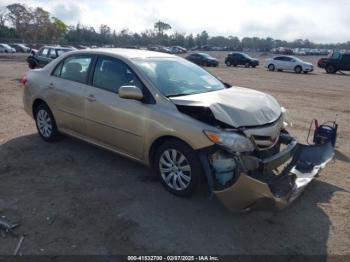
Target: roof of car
x,y
129,53
57,47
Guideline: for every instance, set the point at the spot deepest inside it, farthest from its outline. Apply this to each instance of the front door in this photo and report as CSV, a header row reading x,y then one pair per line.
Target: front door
x,y
114,121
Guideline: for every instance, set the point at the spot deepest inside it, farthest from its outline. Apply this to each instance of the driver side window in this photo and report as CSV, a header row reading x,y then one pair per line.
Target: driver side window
x,y
110,74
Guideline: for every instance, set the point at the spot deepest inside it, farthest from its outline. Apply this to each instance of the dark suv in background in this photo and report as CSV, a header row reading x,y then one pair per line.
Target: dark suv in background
x,y
335,62
238,58
202,59
45,55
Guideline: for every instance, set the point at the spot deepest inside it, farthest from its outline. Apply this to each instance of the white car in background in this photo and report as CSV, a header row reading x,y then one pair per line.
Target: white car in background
x,y
5,48
288,63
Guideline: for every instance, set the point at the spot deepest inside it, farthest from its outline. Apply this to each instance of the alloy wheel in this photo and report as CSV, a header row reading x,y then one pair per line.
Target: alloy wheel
x,y
175,169
44,123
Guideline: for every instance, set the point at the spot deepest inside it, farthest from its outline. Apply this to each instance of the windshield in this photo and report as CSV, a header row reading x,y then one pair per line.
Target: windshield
x,y
247,56
177,77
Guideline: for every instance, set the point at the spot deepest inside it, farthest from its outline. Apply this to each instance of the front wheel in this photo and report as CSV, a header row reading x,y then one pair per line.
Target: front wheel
x,y
46,124
331,69
178,167
271,67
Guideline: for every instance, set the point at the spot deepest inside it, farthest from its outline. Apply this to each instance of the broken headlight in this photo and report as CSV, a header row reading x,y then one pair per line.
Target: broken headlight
x,y
287,122
232,142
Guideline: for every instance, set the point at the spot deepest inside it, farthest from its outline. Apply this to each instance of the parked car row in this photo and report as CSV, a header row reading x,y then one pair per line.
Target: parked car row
x,y
13,48
337,61
5,48
169,50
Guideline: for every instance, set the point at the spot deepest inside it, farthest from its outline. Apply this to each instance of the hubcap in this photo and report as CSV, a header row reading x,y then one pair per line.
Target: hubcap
x,y
175,169
44,123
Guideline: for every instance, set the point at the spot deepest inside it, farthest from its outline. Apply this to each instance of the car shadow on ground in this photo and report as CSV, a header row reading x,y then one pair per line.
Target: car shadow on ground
x,y
73,198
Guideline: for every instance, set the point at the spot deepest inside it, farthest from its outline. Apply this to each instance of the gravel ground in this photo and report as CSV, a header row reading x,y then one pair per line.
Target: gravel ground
x,y
73,198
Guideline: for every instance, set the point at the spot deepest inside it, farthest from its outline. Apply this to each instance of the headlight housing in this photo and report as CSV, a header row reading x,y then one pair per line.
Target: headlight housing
x,y
232,142
287,121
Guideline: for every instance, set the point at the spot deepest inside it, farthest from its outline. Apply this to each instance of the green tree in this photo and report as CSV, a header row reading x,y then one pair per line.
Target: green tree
x,y
160,27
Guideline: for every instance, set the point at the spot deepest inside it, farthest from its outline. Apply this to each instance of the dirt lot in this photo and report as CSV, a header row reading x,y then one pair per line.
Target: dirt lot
x,y
73,198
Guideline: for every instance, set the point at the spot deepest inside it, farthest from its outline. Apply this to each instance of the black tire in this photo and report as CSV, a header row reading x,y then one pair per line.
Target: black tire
x,y
298,69
191,160
279,70
228,63
331,69
271,67
254,66
32,65
235,65
48,133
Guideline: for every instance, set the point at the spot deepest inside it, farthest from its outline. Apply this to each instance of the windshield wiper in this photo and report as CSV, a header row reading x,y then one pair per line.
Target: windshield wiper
x,y
175,95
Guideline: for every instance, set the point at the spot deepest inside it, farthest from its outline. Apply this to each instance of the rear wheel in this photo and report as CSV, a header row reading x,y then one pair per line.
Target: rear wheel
x,y
228,63
271,67
298,69
247,65
45,123
178,167
331,69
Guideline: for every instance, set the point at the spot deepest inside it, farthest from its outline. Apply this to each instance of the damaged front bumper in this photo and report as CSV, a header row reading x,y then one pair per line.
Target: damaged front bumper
x,y
269,183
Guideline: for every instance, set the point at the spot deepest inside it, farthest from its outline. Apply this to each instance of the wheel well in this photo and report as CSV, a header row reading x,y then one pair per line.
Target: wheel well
x,y
36,103
155,145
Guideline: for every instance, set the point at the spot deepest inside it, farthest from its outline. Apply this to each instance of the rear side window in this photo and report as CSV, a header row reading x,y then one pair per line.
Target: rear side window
x,y
110,74
53,53
76,68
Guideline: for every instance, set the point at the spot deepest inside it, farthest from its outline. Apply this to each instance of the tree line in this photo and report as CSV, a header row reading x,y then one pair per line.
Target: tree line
x,y
36,25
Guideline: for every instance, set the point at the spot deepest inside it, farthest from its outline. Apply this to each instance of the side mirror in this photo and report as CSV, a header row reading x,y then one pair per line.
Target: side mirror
x,y
130,92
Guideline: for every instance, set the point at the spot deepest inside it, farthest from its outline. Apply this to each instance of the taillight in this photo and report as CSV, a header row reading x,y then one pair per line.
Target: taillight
x,y
24,80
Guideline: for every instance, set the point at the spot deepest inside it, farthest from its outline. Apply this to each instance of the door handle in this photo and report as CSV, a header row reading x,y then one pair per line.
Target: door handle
x,y
91,98
51,86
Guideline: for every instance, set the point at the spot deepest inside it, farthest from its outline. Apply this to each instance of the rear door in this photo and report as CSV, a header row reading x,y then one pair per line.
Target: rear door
x,y
67,92
279,63
289,63
345,62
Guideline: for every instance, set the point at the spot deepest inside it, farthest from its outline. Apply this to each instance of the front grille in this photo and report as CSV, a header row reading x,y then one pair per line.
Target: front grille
x,y
264,142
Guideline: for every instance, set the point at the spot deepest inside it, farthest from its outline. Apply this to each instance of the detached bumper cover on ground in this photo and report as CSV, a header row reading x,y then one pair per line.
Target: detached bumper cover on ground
x,y
262,188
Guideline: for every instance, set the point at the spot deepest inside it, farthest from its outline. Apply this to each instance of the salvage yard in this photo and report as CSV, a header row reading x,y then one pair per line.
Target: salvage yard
x,y
73,198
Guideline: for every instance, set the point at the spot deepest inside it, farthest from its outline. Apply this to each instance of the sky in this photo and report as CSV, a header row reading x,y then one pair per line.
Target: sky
x,y
321,21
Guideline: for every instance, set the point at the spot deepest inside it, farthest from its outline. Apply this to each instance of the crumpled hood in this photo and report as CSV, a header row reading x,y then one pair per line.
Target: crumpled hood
x,y
236,106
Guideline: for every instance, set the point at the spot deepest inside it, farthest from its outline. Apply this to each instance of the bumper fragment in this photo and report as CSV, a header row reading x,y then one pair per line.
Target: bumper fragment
x,y
249,193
